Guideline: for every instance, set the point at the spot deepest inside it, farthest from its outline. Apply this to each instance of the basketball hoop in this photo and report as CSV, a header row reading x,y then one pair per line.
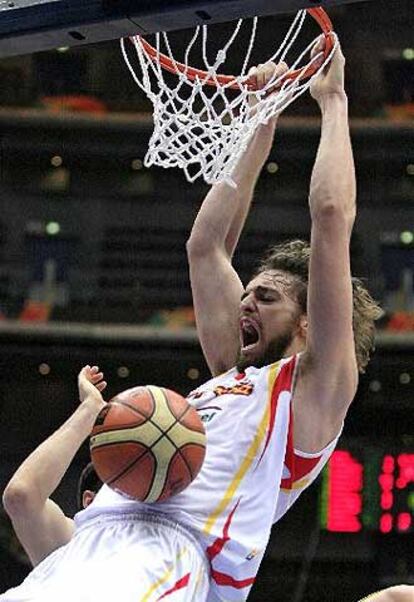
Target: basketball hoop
x,y
204,119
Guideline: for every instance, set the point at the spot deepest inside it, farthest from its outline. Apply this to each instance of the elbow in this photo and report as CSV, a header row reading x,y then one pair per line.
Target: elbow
x,y
331,213
193,245
201,249
198,245
17,499
401,593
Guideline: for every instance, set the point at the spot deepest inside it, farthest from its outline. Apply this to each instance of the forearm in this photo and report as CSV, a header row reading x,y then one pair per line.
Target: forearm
x,y
245,176
333,183
224,210
42,471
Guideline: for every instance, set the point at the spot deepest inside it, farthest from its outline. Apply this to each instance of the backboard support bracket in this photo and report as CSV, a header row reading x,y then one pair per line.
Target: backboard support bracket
x,y
28,26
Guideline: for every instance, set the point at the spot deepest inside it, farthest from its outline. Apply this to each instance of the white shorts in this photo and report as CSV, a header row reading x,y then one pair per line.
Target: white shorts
x,y
120,557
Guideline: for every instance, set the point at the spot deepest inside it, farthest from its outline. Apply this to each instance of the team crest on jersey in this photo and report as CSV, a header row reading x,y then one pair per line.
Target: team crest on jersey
x,y
207,414
242,388
196,394
252,554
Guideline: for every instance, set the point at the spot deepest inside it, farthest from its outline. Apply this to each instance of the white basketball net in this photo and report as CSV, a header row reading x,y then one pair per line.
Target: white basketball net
x,y
204,129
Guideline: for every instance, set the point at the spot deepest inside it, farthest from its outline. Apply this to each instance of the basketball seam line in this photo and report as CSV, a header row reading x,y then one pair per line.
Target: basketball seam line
x,y
162,434
125,403
178,418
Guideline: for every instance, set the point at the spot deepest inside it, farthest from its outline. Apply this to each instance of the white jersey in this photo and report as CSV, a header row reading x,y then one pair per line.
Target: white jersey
x,y
120,556
250,477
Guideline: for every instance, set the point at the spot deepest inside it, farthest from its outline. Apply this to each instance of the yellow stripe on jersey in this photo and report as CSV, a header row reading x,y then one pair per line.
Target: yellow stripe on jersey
x,y
297,485
249,457
200,580
164,578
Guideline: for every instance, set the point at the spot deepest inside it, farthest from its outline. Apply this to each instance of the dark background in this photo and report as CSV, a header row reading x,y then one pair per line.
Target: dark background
x,y
97,242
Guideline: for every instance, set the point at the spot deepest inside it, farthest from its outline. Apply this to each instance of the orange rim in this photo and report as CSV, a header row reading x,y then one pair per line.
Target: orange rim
x,y
192,73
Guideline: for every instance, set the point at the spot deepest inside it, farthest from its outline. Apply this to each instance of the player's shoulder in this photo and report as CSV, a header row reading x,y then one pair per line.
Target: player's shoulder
x,y
234,380
397,593
277,365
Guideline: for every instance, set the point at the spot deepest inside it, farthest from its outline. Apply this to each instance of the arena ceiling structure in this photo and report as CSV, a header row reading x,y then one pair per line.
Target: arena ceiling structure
x,y
28,26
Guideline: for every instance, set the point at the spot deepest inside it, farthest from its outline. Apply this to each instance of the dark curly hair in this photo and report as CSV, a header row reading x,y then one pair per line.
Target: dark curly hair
x,y
293,257
88,480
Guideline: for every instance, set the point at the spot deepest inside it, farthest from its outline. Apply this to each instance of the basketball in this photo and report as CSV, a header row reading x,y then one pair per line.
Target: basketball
x,y
148,443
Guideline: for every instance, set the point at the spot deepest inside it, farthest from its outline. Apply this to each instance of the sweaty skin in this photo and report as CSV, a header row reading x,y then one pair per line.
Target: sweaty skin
x,y
242,326
38,521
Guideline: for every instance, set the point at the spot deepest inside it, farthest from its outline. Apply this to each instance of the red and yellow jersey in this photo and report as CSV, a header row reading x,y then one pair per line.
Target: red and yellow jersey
x,y
250,477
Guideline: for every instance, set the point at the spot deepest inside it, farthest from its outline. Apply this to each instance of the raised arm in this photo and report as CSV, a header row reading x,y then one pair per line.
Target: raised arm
x,y
216,286
328,379
40,524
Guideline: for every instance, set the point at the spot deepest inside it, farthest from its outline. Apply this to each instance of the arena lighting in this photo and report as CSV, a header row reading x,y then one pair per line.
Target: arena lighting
x,y
408,54
375,386
272,167
52,228
44,369
123,372
137,164
56,161
407,237
193,373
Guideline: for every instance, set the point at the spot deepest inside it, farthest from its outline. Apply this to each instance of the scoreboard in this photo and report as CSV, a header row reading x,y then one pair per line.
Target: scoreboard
x,y
366,487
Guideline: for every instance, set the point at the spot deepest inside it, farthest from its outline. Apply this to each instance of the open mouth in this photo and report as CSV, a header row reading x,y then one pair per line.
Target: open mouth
x,y
249,334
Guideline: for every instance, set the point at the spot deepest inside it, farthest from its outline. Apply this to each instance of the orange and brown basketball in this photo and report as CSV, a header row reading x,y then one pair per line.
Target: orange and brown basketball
x,y
148,443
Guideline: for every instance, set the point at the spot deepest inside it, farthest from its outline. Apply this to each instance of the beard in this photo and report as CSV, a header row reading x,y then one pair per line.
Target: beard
x,y
275,350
